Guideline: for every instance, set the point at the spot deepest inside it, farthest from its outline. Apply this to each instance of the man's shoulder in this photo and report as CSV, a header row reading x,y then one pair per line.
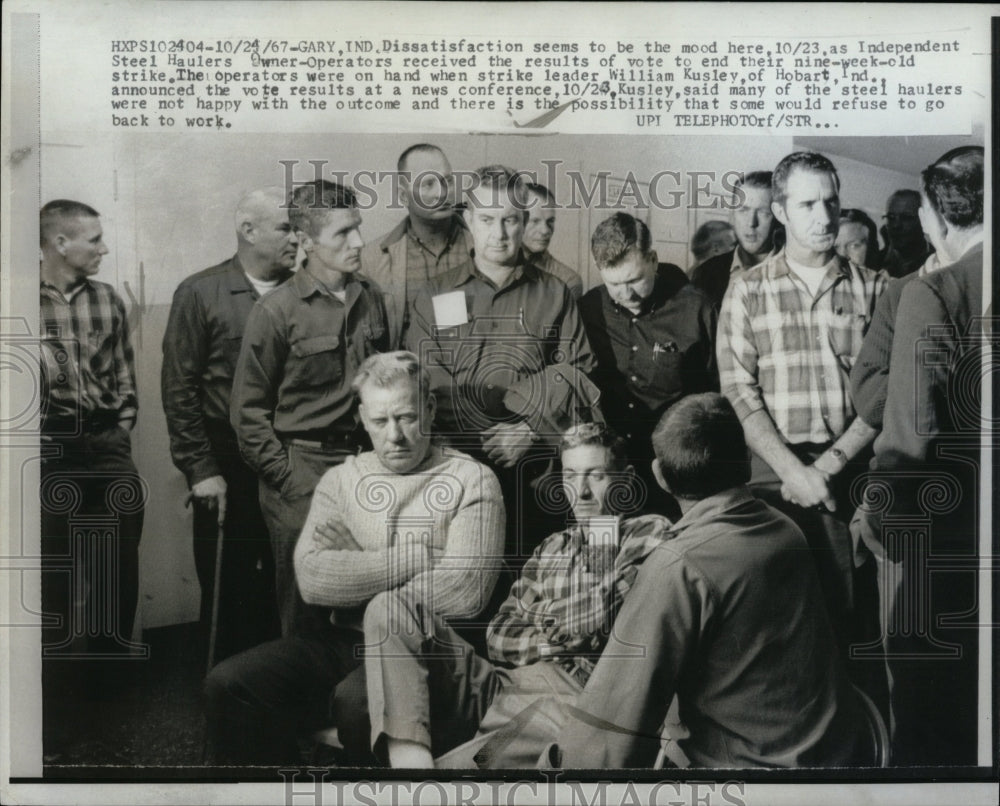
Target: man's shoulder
x,y
715,266
593,302
105,290
382,243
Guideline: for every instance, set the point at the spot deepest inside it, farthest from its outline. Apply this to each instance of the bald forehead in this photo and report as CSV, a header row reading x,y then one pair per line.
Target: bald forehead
x,y
260,206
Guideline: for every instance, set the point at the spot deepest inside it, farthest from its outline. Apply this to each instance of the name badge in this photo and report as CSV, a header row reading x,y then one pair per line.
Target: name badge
x,y
449,309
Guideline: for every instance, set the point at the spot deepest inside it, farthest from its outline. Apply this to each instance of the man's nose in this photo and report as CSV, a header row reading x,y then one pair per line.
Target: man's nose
x,y
354,239
395,432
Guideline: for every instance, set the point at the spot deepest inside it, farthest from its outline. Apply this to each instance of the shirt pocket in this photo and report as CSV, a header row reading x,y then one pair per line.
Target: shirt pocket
x,y
846,333
317,361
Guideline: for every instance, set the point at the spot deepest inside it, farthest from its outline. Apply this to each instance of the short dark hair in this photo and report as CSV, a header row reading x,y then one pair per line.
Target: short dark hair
x,y
540,190
616,236
503,180
310,203
856,216
51,216
755,179
596,434
805,161
700,447
418,148
954,186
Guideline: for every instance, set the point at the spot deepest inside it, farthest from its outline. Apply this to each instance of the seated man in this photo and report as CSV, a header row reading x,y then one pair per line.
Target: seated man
x,y
731,619
407,515
427,689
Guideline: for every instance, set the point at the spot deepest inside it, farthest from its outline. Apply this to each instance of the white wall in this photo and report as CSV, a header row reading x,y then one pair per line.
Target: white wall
x,y
167,202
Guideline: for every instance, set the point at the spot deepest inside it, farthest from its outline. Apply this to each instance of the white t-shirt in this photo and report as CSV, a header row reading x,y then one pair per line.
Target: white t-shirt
x,y
811,276
262,286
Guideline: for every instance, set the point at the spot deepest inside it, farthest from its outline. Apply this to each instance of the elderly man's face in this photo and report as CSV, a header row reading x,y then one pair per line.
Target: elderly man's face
x,y
429,191
398,422
903,221
811,212
274,239
588,472
753,220
496,224
631,279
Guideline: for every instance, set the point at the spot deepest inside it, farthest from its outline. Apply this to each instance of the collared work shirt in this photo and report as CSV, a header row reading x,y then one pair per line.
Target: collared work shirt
x,y
783,350
564,604
88,366
300,351
546,262
648,361
511,333
200,348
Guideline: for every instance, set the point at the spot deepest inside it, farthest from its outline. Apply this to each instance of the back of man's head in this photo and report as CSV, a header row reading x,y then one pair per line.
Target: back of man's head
x,y
700,447
310,203
616,236
954,186
57,215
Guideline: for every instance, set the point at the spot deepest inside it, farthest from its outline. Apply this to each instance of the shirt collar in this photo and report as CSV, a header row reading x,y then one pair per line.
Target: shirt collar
x,y
778,265
403,228
522,270
306,284
714,505
76,289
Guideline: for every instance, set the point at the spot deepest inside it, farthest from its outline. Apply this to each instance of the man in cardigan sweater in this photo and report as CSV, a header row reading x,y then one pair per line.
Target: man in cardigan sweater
x,y
408,515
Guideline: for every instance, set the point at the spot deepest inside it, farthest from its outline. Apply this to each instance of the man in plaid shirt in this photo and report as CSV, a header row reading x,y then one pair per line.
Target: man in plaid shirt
x,y
88,409
427,689
789,331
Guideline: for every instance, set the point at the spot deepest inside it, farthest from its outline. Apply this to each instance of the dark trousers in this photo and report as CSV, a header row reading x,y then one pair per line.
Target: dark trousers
x,y
849,589
248,613
285,513
92,502
259,702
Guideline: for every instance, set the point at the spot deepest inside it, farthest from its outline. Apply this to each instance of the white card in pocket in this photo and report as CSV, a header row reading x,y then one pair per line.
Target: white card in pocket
x,y
449,309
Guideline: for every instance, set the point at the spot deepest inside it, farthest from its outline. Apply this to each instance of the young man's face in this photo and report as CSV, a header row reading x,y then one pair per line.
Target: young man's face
x,y
587,475
81,243
753,220
398,424
630,280
429,192
811,212
496,224
541,224
337,247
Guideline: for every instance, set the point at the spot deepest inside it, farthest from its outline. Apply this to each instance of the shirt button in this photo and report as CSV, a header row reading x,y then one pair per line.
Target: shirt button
x,y
634,348
633,378
631,405
628,436
489,386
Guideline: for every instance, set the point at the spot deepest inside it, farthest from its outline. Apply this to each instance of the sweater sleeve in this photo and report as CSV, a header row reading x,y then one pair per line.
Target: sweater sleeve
x,y
463,576
334,577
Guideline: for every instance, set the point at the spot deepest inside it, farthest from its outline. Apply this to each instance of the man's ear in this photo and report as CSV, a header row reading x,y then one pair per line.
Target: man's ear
x,y
248,231
404,190
362,415
467,217
431,407
60,243
658,475
779,213
652,258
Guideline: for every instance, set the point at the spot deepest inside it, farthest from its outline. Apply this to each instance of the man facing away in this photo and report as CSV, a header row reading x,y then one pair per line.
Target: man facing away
x,y
427,689
789,331
727,616
408,515
754,224
429,241
293,408
91,496
200,348
926,471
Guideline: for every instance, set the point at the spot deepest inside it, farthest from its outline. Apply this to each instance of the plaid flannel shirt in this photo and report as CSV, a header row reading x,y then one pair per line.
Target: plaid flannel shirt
x,y
564,604
785,351
88,366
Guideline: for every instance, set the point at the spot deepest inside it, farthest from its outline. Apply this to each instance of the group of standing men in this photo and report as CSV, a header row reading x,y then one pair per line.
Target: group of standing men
x,y
276,383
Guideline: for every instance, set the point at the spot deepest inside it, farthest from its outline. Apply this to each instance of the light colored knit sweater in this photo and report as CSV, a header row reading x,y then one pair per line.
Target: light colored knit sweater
x,y
438,530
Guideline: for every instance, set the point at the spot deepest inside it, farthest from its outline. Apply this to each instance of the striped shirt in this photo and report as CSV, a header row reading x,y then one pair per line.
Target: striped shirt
x,y
790,353
88,366
564,604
